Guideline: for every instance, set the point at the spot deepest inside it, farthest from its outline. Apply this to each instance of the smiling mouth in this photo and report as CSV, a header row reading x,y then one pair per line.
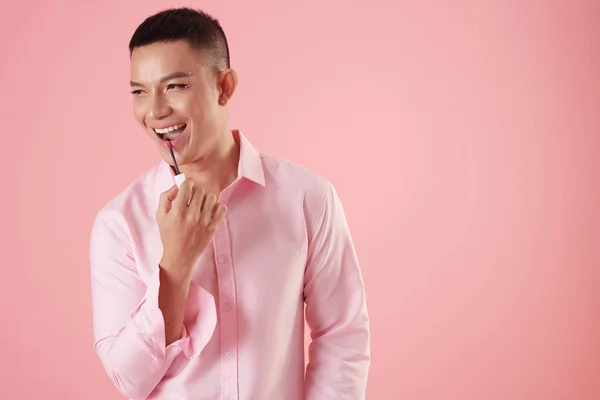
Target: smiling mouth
x,y
170,134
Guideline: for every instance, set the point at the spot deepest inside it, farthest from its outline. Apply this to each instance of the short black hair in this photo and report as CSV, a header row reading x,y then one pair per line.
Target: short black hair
x,y
199,29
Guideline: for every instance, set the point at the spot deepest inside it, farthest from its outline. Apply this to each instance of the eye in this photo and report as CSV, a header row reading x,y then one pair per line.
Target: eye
x,y
177,85
136,92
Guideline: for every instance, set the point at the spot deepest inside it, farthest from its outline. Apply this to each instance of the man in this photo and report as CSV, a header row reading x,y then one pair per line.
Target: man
x,y
199,292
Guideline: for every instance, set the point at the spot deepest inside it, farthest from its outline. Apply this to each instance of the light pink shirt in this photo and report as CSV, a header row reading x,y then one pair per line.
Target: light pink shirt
x,y
284,244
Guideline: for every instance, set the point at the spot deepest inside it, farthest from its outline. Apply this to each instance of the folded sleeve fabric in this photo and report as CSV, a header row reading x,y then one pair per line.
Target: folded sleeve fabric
x,y
336,310
129,328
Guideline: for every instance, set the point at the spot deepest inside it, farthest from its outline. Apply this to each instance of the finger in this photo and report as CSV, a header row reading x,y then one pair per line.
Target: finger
x,y
195,207
219,215
186,191
207,207
166,199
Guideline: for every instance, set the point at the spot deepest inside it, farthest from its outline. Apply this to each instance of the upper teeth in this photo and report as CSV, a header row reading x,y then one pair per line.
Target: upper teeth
x,y
169,129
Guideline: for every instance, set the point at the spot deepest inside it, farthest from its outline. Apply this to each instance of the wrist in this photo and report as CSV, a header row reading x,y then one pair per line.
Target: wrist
x,y
175,273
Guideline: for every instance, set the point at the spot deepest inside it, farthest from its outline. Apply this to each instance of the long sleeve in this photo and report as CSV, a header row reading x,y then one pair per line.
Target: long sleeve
x,y
129,328
336,312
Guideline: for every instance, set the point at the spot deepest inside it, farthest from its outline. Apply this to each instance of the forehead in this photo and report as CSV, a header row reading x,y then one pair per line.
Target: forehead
x,y
152,62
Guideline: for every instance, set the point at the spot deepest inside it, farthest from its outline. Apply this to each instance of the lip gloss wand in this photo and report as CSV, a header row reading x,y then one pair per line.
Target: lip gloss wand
x,y
179,178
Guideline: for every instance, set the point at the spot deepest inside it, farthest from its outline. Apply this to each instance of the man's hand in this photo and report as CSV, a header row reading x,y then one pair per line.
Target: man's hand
x,y
186,229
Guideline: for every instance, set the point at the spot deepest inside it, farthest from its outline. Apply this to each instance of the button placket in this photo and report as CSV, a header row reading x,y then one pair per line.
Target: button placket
x,y
228,317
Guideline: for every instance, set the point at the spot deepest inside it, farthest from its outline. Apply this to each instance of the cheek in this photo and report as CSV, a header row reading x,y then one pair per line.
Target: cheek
x,y
187,105
204,112
197,105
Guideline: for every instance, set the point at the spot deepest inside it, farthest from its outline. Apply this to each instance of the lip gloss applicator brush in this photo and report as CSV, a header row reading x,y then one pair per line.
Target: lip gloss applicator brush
x,y
179,178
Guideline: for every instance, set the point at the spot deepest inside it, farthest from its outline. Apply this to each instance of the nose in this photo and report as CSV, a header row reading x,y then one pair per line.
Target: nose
x,y
159,108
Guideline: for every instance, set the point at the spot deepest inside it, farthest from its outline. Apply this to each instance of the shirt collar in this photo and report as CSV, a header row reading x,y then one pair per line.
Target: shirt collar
x,y
249,166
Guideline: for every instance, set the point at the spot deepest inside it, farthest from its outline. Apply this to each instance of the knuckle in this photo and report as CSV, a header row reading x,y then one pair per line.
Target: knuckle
x,y
179,214
188,215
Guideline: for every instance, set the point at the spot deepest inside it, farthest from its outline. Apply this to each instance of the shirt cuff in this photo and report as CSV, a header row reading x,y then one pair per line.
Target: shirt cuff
x,y
199,323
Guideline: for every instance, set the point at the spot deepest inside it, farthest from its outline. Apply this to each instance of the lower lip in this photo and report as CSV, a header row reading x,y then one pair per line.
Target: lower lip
x,y
174,142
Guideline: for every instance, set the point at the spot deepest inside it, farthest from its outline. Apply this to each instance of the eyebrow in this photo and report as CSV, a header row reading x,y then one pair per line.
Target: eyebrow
x,y
165,78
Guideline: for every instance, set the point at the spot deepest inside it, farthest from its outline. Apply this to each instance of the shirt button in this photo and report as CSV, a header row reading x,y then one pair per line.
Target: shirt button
x,y
229,355
222,259
227,306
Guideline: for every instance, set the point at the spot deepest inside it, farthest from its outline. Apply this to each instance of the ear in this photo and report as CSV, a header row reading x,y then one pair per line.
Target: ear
x,y
228,83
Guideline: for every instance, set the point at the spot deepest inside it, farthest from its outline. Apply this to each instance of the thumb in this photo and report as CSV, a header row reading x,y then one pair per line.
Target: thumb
x,y
166,200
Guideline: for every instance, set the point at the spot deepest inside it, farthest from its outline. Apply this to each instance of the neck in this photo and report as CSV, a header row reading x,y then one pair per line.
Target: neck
x,y
218,169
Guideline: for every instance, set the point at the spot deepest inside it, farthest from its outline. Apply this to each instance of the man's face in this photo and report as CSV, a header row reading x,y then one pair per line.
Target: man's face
x,y
162,98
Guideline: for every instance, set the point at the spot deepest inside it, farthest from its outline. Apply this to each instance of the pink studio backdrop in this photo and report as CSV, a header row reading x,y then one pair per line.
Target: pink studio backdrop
x,y
463,139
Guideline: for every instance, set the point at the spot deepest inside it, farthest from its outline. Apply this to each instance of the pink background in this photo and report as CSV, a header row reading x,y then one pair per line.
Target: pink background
x,y
463,139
